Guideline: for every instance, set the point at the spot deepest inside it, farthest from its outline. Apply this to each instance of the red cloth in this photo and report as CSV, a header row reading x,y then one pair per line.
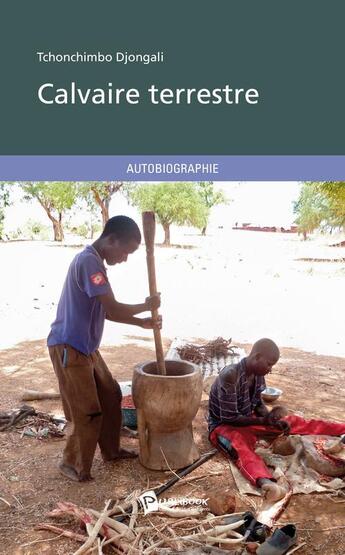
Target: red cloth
x,y
243,439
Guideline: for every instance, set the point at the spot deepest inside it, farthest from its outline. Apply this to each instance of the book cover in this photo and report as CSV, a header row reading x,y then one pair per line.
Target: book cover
x,y
225,120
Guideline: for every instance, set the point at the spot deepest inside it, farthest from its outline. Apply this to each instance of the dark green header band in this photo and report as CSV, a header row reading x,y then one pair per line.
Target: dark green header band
x,y
158,77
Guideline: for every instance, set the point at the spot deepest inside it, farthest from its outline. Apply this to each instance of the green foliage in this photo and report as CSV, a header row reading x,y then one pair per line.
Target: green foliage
x,y
55,196
31,230
4,202
2,218
320,204
4,195
98,194
35,227
82,230
334,191
86,230
209,196
311,209
174,203
104,189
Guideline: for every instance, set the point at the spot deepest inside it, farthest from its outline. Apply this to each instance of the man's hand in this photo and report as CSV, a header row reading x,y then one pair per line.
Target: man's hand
x,y
276,414
261,409
150,323
273,420
153,302
283,426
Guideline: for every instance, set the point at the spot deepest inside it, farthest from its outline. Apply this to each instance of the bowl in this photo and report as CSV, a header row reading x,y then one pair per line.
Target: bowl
x,y
271,394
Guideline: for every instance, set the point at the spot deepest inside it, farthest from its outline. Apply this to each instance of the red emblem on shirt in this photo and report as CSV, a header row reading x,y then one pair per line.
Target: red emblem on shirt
x,y
98,279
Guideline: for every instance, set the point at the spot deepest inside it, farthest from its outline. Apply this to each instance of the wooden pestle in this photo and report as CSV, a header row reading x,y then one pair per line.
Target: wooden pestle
x,y
149,227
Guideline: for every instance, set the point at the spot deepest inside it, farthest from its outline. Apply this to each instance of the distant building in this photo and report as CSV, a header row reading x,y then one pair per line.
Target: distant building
x,y
275,229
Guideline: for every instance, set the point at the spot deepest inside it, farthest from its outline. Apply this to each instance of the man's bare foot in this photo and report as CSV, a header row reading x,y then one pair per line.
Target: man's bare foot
x,y
123,454
70,473
270,490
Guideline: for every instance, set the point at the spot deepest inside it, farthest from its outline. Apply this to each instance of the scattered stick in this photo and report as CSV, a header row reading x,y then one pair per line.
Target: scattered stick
x,y
332,528
121,509
191,521
194,478
33,395
119,527
61,531
295,548
322,529
180,513
133,547
152,547
85,547
40,541
213,539
177,476
338,493
179,545
134,514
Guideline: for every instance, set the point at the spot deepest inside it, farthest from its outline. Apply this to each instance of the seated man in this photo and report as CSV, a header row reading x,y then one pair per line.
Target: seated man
x,y
237,416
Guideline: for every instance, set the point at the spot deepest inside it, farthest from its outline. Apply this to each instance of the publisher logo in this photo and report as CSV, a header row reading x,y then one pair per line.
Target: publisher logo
x,y
149,501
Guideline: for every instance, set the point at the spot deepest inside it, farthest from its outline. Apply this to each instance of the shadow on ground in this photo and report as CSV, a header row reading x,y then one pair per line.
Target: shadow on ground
x,y
31,485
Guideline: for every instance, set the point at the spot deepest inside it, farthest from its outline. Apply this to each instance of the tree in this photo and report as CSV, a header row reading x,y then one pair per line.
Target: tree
x,y
334,191
55,197
311,208
173,203
4,202
321,203
210,198
101,192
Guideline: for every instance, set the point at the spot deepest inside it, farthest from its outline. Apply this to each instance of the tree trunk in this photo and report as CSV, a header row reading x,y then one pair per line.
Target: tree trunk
x,y
304,235
166,228
203,231
105,211
58,230
103,204
57,223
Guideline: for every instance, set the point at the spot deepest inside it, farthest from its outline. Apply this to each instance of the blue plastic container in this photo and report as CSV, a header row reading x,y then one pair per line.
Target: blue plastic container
x,y
129,415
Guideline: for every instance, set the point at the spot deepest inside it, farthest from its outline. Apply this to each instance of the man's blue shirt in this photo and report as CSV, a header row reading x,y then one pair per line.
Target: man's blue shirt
x,y
80,315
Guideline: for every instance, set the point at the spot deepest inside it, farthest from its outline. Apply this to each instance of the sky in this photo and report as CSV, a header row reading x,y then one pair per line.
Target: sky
x,y
258,203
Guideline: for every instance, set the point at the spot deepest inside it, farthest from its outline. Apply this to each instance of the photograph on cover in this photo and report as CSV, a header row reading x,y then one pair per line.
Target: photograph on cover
x,y
175,319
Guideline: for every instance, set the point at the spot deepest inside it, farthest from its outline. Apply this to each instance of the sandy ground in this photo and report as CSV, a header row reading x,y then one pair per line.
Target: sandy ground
x,y
30,483
235,284
230,283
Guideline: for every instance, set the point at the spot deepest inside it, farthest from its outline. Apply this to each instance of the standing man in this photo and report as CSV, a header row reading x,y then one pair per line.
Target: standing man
x,y
90,396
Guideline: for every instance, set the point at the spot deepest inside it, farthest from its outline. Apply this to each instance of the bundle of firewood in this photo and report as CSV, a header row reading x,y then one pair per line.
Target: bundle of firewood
x,y
199,354
32,423
9,419
194,528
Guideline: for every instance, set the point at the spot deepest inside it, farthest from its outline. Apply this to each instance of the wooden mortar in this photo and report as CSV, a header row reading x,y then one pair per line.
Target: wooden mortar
x,y
166,406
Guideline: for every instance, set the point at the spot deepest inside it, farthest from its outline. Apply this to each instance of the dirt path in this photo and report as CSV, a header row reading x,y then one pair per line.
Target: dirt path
x,y
30,483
